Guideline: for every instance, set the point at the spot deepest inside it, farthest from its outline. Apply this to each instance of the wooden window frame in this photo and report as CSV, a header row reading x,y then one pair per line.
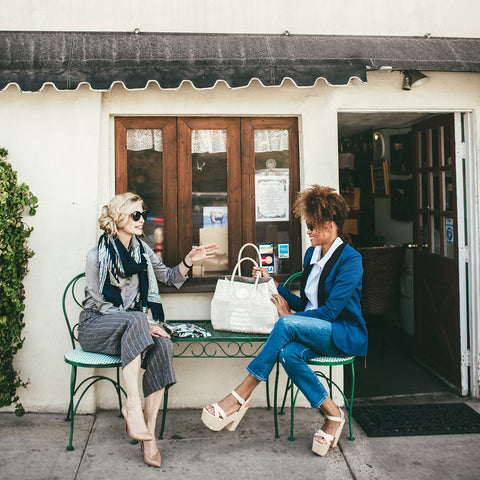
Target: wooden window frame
x,y
177,182
248,127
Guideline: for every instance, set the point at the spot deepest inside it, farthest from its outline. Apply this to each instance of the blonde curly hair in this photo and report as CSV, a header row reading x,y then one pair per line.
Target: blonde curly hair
x,y
115,214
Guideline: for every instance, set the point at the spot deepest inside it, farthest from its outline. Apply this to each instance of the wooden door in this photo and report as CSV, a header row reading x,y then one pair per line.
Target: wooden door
x,y
437,322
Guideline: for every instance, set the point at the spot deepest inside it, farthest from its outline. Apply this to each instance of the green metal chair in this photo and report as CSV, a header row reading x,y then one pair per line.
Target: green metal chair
x,y
79,358
320,361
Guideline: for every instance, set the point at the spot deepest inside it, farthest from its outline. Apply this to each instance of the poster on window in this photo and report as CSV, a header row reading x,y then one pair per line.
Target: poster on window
x,y
272,198
215,217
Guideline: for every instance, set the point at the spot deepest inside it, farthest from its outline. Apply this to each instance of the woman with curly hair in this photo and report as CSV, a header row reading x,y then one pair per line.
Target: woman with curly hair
x,y
326,319
121,286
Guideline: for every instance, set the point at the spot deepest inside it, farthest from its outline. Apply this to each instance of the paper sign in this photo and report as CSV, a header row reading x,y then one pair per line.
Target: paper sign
x,y
271,198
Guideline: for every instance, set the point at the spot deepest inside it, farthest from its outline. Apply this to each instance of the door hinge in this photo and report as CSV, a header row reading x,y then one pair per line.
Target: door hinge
x,y
461,150
464,253
467,358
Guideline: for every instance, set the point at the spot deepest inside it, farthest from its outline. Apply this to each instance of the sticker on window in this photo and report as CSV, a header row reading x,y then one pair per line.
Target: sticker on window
x,y
283,250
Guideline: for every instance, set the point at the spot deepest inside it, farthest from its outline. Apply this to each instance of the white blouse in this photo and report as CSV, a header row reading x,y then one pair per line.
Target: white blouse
x,y
311,288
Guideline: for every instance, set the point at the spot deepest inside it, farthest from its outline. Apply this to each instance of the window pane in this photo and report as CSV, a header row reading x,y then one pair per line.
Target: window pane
x,y
144,177
424,191
435,147
448,191
272,206
209,197
424,236
423,149
436,191
447,145
436,235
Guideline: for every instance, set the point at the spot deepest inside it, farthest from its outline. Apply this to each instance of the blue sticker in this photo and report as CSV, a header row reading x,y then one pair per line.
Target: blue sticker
x,y
283,250
449,230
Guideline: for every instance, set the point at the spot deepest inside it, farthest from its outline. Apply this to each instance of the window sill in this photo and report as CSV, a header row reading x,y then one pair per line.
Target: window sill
x,y
205,284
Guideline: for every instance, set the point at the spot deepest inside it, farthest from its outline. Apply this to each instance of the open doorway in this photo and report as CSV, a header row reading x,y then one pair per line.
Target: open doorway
x,y
397,172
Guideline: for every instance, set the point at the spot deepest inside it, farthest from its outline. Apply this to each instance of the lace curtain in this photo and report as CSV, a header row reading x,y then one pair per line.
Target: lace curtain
x,y
139,139
271,140
212,141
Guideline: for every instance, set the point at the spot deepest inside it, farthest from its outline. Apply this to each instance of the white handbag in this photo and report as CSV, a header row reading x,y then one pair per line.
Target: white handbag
x,y
243,304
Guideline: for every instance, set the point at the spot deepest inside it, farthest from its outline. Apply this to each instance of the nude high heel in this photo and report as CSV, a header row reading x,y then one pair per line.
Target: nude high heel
x,y
138,436
330,440
155,461
219,419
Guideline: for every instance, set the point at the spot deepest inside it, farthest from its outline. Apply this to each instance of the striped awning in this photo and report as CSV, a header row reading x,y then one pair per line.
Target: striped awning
x,y
101,59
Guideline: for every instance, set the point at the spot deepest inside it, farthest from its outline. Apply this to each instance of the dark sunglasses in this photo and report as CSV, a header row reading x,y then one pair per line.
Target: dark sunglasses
x,y
136,215
311,227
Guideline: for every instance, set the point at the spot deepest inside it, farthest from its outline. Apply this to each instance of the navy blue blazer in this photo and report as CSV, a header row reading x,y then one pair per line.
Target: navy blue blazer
x,y
339,294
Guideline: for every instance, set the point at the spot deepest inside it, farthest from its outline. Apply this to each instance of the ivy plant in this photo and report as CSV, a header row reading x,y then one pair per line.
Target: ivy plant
x,y
15,201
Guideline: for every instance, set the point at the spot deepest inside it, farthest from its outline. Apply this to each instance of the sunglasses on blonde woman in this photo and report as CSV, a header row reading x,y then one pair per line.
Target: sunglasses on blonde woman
x,y
311,227
136,215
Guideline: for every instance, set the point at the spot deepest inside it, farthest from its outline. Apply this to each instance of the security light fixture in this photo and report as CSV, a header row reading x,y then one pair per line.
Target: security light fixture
x,y
413,78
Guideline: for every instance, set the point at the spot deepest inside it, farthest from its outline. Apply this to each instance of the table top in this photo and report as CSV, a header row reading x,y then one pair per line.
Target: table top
x,y
219,345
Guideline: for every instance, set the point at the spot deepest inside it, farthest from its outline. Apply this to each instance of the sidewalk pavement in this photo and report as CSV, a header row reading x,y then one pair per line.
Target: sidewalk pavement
x,y
33,447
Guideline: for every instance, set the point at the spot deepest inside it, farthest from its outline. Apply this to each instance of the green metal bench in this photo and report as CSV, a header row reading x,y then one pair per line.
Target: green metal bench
x,y
219,345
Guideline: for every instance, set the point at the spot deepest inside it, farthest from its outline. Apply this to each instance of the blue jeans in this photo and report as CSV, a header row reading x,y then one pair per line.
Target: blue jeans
x,y
294,340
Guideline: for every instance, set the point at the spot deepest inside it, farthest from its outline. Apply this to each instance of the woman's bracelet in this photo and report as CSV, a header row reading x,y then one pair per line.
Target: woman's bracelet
x,y
186,264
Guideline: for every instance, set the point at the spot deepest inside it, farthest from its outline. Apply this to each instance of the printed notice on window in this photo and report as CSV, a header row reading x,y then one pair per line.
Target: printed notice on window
x,y
271,198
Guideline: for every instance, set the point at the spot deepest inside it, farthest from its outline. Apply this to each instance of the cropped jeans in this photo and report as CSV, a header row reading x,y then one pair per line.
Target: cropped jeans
x,y
294,340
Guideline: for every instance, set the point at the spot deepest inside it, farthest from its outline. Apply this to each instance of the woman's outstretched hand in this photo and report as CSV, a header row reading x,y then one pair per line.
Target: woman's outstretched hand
x,y
281,304
197,254
157,331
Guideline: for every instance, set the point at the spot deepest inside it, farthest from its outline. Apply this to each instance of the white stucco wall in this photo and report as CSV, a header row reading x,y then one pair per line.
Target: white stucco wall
x,y
347,17
61,143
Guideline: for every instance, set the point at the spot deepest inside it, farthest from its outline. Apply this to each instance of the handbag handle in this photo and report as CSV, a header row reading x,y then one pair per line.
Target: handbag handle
x,y
237,266
240,255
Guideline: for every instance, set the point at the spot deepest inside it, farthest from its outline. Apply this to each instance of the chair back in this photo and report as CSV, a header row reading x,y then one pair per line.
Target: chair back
x,y
289,281
382,271
73,291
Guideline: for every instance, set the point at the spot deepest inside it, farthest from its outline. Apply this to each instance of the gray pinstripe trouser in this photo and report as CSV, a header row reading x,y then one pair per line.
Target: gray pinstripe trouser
x,y
127,334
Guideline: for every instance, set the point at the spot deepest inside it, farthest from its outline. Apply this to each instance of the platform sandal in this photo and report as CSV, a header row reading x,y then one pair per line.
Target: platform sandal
x,y
219,419
330,440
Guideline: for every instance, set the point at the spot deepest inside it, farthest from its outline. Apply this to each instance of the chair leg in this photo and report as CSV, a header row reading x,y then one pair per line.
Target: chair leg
x,y
119,392
293,399
70,405
267,388
330,381
350,407
287,386
164,414
71,409
275,412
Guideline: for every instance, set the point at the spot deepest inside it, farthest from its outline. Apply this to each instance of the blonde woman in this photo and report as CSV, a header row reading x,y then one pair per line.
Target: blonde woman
x,y
121,286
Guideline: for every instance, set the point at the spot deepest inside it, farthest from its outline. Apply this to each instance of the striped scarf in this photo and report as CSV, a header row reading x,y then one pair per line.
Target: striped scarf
x,y
116,262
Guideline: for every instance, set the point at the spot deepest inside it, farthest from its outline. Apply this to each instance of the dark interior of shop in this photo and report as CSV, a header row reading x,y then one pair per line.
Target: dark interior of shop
x,y
380,224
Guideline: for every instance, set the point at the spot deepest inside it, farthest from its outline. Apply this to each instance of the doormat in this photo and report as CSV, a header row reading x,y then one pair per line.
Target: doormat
x,y
411,420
